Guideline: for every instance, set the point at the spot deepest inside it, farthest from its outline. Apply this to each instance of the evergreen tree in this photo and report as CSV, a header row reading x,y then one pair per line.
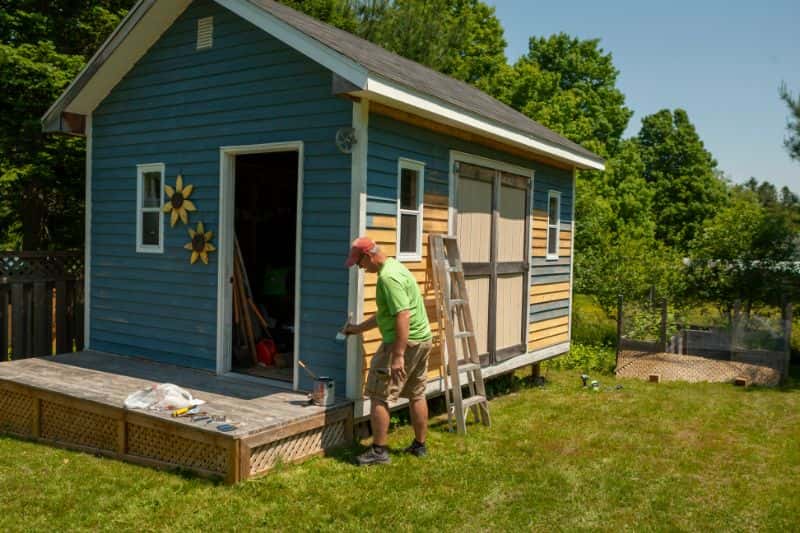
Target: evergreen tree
x,y
43,45
792,142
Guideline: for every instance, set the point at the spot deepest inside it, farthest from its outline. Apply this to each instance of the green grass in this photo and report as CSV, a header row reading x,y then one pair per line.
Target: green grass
x,y
559,457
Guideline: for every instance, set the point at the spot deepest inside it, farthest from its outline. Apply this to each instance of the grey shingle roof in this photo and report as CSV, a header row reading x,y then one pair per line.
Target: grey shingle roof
x,y
415,76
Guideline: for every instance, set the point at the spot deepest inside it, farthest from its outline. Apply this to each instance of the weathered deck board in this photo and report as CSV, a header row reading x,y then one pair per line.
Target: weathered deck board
x,y
272,423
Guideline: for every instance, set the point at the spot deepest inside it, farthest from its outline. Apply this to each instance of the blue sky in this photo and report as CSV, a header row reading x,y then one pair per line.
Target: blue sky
x,y
721,61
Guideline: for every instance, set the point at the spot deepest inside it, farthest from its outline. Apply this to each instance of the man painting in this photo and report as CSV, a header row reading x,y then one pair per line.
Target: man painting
x,y
400,365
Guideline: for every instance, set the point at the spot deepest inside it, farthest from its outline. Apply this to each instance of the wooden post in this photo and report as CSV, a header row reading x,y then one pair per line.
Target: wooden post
x,y
3,323
61,318
41,322
619,329
787,337
664,325
79,314
17,321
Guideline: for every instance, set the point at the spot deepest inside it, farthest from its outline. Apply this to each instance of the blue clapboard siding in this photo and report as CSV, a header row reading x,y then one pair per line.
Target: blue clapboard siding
x,y
178,105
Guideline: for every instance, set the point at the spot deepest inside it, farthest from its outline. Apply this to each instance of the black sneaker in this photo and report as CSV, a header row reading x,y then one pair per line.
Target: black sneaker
x,y
417,449
373,457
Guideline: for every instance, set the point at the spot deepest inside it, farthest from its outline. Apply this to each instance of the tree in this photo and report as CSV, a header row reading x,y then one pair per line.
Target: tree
x,y
460,38
339,13
738,254
792,142
615,235
569,85
682,171
43,45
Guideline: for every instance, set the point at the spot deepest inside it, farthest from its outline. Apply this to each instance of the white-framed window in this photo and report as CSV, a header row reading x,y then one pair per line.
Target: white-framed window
x,y
410,179
553,223
149,216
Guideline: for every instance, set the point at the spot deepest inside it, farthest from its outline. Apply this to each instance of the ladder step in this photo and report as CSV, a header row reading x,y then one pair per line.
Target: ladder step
x,y
455,269
454,303
464,334
466,403
468,367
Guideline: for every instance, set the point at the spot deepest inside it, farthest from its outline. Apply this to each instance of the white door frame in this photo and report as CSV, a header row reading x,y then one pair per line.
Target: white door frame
x,y
227,205
456,157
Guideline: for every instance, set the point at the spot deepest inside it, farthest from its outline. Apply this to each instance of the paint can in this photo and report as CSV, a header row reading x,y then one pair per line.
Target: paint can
x,y
324,391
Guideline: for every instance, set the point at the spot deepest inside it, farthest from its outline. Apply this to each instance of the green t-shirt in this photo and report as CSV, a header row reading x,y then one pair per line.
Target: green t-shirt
x,y
397,291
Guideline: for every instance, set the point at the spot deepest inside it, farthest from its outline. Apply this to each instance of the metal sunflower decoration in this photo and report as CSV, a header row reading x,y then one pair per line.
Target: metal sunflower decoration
x,y
179,202
200,244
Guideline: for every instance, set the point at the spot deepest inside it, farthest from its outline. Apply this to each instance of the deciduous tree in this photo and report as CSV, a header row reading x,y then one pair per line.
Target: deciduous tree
x,y
683,173
569,85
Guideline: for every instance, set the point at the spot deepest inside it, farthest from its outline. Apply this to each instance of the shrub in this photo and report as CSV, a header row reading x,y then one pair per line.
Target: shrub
x,y
588,358
590,323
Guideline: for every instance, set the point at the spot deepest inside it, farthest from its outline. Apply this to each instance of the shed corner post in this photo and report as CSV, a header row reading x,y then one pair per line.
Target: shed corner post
x,y
358,225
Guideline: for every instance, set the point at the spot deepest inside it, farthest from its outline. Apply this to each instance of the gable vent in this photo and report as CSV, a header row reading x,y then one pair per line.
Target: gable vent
x,y
205,33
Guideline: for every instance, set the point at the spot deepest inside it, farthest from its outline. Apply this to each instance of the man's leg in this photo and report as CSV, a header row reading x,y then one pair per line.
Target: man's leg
x,y
379,416
419,418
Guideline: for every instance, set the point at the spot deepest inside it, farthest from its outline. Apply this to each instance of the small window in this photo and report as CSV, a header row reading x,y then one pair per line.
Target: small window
x,y
553,223
149,216
411,176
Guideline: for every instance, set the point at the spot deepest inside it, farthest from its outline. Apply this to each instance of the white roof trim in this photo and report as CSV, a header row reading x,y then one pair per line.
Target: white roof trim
x,y
150,18
139,30
390,93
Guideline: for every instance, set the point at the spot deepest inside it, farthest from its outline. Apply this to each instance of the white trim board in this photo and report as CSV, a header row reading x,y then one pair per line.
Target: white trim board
x,y
572,251
361,409
227,188
358,226
395,95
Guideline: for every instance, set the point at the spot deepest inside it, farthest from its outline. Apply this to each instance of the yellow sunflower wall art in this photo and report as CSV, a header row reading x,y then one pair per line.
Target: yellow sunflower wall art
x,y
179,203
200,244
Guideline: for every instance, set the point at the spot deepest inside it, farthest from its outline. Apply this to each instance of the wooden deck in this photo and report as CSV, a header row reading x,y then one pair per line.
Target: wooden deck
x,y
77,401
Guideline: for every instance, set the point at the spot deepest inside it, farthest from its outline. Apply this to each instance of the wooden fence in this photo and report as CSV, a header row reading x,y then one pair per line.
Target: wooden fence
x,y
41,303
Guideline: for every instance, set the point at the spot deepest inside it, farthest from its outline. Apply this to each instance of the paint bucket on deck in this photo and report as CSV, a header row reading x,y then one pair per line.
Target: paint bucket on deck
x,y
324,391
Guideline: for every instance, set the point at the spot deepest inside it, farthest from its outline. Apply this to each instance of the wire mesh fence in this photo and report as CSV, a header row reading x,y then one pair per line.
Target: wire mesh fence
x,y
657,341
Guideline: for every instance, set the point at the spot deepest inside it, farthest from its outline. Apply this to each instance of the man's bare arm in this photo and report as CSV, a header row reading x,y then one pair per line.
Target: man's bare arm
x,y
401,341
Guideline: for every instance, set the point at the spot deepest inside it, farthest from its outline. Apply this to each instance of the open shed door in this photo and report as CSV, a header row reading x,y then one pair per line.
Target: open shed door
x,y
492,228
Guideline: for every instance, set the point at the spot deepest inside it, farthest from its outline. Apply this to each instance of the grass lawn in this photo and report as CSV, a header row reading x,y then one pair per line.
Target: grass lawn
x,y
648,457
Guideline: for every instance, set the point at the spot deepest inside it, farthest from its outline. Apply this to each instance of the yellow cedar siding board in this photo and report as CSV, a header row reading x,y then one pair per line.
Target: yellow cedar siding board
x,y
549,332
549,341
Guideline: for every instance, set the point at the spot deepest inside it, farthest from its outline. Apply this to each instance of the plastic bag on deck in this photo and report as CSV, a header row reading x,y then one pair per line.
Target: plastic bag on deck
x,y
161,397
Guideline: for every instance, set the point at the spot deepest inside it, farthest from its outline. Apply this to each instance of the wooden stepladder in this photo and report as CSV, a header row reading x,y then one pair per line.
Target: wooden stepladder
x,y
456,328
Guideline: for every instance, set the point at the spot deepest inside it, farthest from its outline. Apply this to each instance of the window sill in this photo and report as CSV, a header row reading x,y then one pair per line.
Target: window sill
x,y
409,258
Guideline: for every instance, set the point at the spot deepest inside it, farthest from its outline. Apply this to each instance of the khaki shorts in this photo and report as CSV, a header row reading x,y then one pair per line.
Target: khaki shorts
x,y
380,384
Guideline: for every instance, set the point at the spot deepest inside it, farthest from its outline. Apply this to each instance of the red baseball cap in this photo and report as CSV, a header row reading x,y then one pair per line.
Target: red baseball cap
x,y
359,247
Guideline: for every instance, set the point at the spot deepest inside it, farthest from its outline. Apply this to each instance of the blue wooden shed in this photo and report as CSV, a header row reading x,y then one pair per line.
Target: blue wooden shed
x,y
297,137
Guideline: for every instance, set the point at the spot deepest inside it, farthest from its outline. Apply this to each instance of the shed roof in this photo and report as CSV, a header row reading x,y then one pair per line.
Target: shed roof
x,y
370,70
